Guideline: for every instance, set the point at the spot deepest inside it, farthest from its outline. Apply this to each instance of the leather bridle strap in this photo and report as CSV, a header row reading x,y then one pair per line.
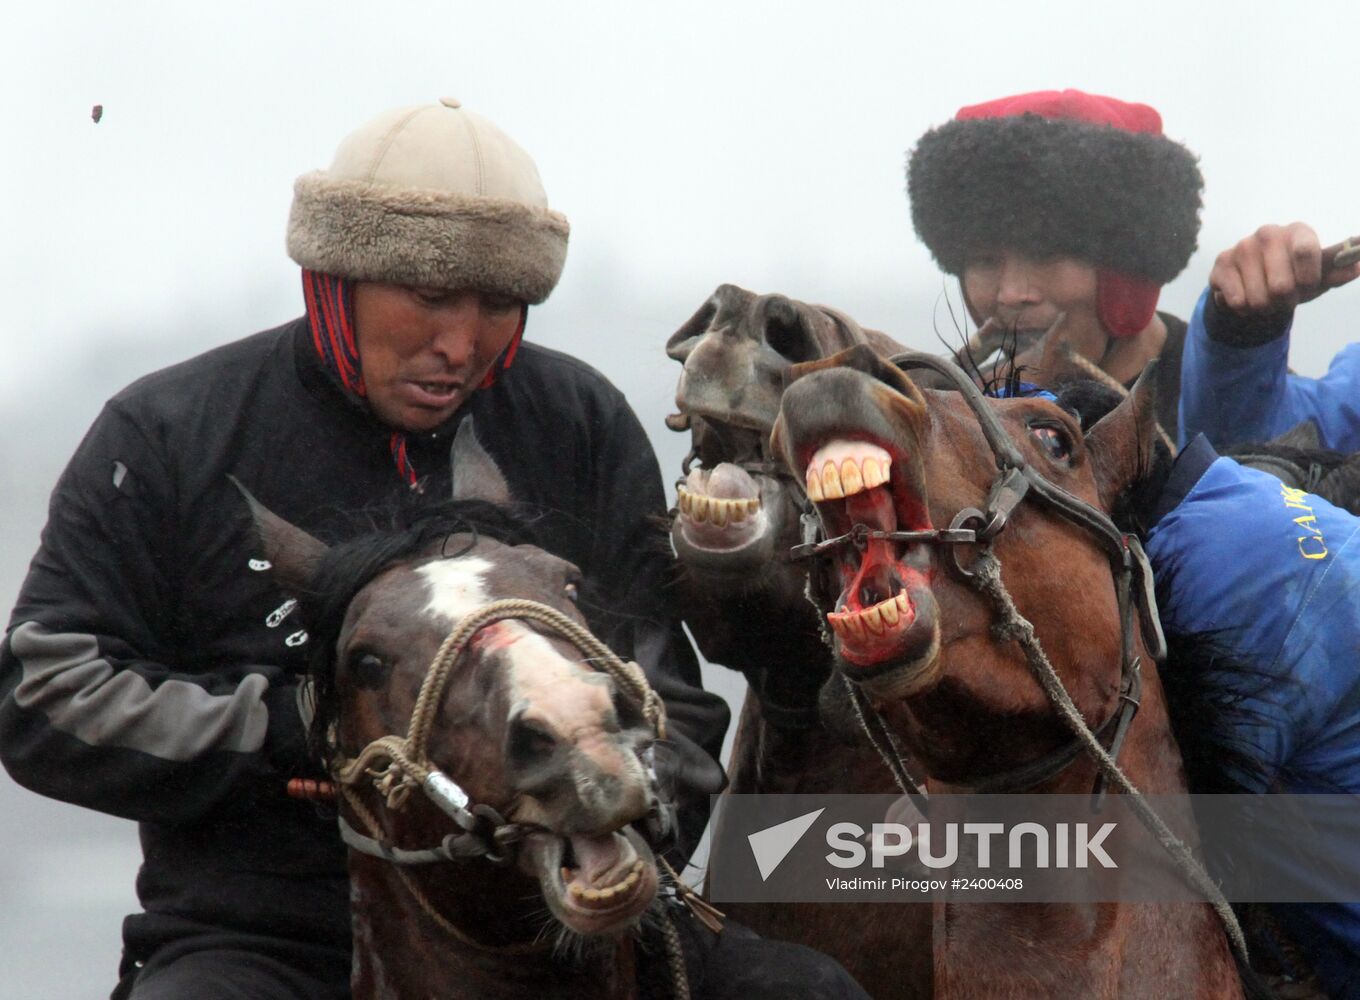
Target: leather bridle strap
x,y
1015,481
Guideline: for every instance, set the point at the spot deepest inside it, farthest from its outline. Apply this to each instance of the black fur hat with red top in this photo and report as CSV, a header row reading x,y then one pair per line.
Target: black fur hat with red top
x,y
1062,173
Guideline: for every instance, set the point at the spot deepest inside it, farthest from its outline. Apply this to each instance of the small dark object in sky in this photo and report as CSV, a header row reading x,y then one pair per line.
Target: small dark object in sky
x,y
96,113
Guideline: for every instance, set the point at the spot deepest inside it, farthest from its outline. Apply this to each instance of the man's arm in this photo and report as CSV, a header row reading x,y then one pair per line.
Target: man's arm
x,y
1235,384
93,710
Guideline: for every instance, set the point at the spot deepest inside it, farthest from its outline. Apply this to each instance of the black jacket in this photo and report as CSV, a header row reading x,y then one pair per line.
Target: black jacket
x,y
151,666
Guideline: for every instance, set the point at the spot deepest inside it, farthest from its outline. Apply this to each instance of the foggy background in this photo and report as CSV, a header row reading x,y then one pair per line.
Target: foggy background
x,y
689,144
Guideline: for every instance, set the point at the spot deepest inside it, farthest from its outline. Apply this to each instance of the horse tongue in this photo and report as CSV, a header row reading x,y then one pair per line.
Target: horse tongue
x,y
873,509
597,858
732,482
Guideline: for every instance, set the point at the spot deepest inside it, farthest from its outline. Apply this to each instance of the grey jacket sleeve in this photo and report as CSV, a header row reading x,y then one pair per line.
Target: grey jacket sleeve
x,y
101,702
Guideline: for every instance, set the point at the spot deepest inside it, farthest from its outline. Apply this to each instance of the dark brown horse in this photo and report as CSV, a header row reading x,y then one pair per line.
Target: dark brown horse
x,y
920,639
494,764
738,518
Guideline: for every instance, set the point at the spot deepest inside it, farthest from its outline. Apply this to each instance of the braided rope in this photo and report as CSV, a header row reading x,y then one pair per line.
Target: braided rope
x,y
675,955
1014,625
629,676
407,760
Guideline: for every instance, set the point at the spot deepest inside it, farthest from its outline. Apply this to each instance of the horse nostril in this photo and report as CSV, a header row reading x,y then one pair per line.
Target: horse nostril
x,y
529,742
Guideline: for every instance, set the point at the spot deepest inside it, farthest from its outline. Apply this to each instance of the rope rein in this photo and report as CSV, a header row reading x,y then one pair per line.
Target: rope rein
x,y
408,765
397,765
1013,625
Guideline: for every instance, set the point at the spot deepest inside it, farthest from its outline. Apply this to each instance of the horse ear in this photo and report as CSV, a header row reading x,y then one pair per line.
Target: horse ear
x,y
293,553
1122,443
476,476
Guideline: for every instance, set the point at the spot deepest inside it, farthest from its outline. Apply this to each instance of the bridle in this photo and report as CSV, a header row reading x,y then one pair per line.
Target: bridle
x,y
396,766
1015,482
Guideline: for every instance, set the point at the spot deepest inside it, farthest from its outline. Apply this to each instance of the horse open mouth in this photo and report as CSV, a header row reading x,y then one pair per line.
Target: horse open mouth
x,y
595,885
885,618
729,518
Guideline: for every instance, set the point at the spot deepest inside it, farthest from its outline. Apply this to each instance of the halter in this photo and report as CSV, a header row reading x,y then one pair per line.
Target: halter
x,y
483,831
1016,481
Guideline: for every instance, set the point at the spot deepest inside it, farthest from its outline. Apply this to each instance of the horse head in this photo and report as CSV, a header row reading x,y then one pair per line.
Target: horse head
x,y
888,464
544,748
738,512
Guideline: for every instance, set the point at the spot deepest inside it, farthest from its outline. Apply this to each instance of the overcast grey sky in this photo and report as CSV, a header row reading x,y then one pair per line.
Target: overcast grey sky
x,y
690,144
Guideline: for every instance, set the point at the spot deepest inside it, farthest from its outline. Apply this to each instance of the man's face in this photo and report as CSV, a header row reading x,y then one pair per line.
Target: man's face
x,y
423,351
1026,294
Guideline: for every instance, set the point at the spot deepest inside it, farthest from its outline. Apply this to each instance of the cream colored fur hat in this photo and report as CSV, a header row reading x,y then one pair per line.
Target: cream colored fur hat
x,y
434,196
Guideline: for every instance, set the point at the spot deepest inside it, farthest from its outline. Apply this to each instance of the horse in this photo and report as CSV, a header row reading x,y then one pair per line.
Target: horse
x,y
737,518
494,760
943,632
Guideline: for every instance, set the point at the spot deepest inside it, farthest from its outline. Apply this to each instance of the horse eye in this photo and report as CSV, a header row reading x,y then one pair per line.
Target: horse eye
x,y
572,591
1054,442
367,668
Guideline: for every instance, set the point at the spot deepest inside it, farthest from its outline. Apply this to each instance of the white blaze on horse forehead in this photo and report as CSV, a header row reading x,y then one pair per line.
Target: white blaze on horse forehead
x,y
842,468
457,586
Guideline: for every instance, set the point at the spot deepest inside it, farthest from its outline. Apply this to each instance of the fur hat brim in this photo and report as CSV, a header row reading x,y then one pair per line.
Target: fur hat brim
x,y
1118,199
374,232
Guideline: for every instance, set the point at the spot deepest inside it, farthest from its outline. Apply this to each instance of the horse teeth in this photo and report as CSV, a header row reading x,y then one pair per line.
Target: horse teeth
x,y
903,605
831,481
699,508
718,511
875,474
851,480
738,509
888,609
814,486
686,500
872,619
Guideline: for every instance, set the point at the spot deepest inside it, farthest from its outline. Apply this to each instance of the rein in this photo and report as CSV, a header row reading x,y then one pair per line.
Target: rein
x,y
484,832
1015,482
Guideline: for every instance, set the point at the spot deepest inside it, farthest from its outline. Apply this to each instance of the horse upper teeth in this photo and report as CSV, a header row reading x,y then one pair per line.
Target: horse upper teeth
x,y
718,510
843,468
851,480
831,481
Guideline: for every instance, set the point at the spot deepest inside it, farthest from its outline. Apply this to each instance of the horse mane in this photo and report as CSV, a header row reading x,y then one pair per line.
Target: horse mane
x,y
380,538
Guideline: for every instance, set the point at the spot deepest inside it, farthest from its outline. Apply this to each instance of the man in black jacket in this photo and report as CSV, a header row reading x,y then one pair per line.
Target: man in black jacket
x,y
152,666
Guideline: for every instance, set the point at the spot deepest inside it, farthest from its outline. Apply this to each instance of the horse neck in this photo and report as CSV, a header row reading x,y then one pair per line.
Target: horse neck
x,y
401,950
1109,949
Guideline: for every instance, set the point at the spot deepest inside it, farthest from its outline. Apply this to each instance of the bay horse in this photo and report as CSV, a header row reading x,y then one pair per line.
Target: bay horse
x,y
738,516
944,631
494,759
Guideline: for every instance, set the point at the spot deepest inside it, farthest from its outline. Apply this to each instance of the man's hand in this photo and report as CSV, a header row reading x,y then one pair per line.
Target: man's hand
x,y
1273,270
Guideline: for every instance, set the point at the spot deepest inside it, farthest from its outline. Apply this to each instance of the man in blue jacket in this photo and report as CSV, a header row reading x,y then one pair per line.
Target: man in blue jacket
x,y
1286,608
1235,382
